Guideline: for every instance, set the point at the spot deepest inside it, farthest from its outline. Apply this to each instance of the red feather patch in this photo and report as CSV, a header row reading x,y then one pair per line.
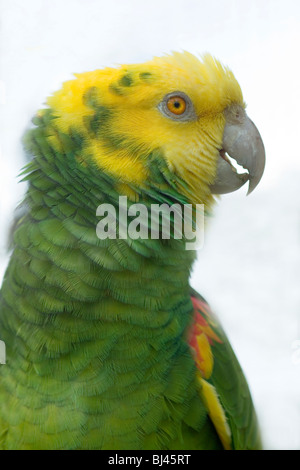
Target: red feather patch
x,y
202,336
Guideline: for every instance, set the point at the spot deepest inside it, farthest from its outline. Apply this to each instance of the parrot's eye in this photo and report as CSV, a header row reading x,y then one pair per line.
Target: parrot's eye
x,y
177,106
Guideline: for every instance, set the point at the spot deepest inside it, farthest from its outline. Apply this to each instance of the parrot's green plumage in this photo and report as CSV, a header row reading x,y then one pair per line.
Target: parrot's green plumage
x,y
107,346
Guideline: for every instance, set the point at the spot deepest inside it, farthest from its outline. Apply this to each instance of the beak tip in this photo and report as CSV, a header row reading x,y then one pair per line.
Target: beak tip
x,y
250,190
251,186
253,182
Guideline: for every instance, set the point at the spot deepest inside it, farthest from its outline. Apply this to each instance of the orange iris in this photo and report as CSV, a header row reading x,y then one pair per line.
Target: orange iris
x,y
177,105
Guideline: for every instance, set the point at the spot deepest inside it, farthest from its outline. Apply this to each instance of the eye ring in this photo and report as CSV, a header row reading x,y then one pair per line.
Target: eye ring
x,y
177,106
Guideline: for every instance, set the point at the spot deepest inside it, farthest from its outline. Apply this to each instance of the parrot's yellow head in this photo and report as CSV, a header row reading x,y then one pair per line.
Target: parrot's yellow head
x,y
172,110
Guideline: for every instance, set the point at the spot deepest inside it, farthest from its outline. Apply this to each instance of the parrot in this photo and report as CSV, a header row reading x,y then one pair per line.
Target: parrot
x,y
107,345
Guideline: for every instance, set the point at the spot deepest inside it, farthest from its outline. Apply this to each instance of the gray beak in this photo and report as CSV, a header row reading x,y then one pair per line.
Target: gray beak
x,y
243,143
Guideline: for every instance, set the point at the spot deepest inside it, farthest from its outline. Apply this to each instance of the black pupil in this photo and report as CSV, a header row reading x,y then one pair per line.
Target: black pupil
x,y
177,104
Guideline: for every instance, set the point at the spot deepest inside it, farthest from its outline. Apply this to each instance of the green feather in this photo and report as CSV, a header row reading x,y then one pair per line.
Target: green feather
x,y
96,330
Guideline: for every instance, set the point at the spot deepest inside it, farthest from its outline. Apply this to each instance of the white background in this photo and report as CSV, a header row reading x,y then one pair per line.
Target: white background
x,y
249,268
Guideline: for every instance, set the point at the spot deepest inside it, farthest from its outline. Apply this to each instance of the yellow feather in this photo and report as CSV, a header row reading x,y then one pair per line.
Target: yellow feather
x,y
216,412
206,361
